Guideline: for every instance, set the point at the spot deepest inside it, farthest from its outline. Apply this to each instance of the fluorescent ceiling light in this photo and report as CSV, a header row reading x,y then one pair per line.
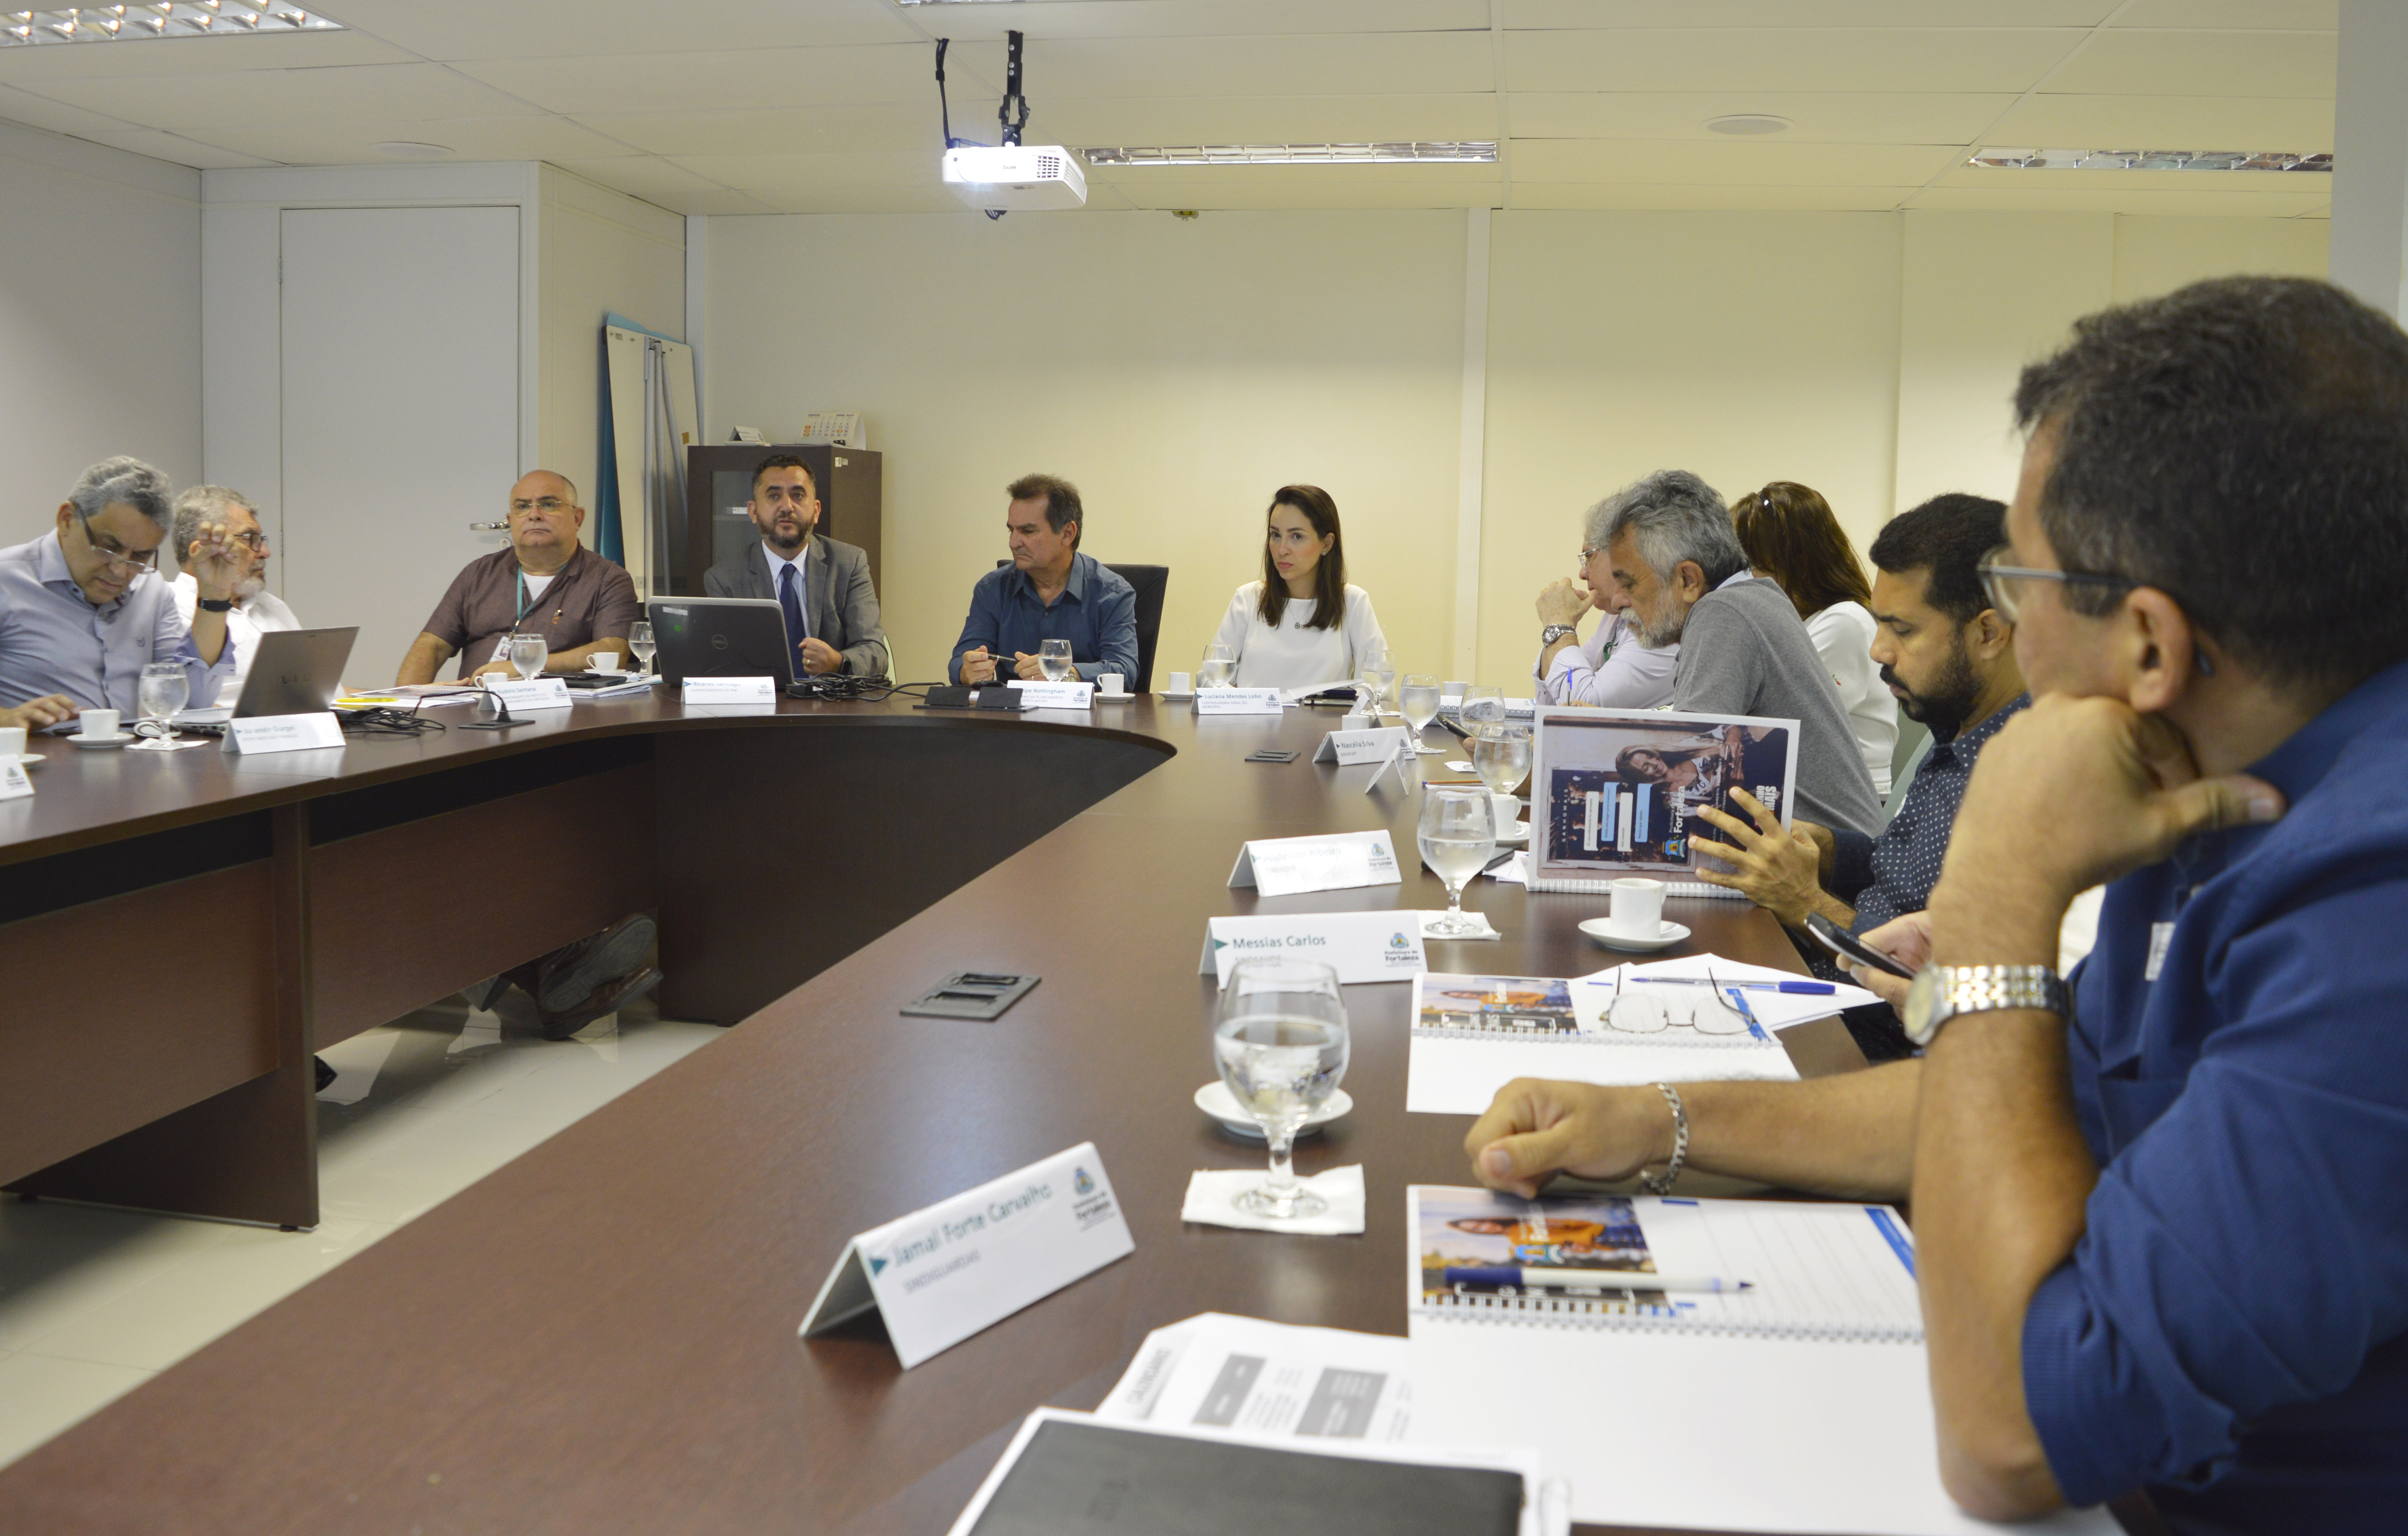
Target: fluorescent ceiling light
x,y
2147,160
1467,151
181,19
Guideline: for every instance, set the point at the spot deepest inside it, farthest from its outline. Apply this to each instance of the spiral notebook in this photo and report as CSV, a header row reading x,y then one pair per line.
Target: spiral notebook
x,y
1616,792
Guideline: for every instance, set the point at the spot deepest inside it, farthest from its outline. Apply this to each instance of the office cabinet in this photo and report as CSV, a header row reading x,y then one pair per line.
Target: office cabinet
x,y
719,482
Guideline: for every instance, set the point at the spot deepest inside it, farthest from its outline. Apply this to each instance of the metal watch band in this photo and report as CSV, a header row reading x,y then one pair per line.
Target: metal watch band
x,y
1554,632
1987,989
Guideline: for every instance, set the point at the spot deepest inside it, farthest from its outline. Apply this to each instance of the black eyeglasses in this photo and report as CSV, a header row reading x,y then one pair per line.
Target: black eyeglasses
x,y
1999,578
136,561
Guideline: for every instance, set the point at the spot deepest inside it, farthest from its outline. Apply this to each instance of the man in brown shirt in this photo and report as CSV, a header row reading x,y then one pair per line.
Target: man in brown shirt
x,y
546,582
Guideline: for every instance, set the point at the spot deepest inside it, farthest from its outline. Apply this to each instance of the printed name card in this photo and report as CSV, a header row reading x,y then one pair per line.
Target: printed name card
x,y
939,1275
530,694
284,733
1347,748
1238,701
1290,865
15,782
1055,696
1359,946
731,690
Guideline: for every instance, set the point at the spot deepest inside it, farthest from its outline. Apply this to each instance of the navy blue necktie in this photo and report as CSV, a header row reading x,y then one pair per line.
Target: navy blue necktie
x,y
790,599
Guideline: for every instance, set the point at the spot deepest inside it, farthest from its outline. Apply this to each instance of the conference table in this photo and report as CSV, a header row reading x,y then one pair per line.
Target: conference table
x,y
601,1336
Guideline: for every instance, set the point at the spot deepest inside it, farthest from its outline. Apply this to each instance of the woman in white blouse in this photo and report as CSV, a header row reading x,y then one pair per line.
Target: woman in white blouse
x,y
1790,536
1301,625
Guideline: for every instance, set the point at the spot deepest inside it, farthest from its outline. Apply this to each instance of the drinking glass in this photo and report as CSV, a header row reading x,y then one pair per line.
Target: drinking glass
x,y
639,644
1484,704
1459,835
1418,700
165,688
528,653
1280,1041
1380,671
1219,668
1054,660
1501,755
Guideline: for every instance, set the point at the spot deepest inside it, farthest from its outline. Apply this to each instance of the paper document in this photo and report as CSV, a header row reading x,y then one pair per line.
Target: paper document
x,y
1267,1380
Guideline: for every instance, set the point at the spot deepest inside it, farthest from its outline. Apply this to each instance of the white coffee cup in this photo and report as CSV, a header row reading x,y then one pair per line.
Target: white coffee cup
x,y
1181,683
1507,810
605,662
1356,722
1109,683
1637,909
12,743
100,725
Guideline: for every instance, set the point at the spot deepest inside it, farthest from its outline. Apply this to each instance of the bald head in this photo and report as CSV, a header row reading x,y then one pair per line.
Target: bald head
x,y
544,521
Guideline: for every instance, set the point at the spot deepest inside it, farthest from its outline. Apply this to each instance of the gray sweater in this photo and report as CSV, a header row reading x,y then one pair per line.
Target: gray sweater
x,y
1744,651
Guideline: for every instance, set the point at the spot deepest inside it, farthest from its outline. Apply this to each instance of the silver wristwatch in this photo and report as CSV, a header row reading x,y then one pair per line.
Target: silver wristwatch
x,y
1940,992
1554,632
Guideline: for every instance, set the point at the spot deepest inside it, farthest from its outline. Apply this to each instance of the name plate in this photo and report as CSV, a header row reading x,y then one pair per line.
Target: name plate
x,y
939,1275
1289,866
1359,946
284,733
1346,748
1238,701
731,690
15,782
1055,696
531,693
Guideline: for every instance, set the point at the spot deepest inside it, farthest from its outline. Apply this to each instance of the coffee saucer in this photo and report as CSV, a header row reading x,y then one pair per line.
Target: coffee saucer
x,y
101,744
1519,832
1668,935
25,760
1215,1099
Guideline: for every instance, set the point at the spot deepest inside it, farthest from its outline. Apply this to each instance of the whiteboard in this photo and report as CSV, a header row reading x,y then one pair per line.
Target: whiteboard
x,y
400,412
649,491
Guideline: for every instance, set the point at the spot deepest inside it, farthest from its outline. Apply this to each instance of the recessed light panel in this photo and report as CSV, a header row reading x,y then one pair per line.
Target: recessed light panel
x,y
2147,160
1469,151
183,19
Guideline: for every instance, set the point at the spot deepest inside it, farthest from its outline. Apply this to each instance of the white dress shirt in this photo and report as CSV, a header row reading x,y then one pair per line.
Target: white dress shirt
x,y
248,619
1843,638
1609,670
1292,655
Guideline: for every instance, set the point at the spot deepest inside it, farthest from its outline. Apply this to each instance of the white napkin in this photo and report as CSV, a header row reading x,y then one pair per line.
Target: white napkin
x,y
152,744
1514,871
1487,930
1212,1191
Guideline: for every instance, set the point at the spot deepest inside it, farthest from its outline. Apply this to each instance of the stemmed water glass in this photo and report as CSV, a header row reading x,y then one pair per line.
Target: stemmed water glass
x,y
639,644
528,653
1501,755
1378,675
1054,660
165,688
1219,668
1418,700
1484,704
1280,1042
1457,835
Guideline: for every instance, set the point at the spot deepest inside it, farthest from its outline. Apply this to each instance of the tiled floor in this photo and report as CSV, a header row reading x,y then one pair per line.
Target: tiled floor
x,y
94,1302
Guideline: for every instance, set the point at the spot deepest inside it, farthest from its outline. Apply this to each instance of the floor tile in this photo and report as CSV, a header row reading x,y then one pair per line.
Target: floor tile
x,y
59,1261
41,1396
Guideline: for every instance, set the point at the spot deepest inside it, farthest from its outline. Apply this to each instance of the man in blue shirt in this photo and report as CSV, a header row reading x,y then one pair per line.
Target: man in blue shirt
x,y
2162,1222
1049,592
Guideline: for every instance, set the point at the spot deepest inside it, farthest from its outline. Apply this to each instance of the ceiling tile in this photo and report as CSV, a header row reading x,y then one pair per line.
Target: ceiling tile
x,y
2202,64
174,149
680,83
348,93
1261,119
535,29
1731,163
1577,14
1575,194
2113,200
155,56
663,184
1370,63
2170,123
1444,173
2280,15
1354,195
770,174
57,116
776,130
1819,118
1784,58
2237,184
480,138
1206,18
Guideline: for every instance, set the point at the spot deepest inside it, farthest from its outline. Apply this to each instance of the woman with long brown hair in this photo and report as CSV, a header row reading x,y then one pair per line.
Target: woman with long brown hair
x,y
1790,536
1301,625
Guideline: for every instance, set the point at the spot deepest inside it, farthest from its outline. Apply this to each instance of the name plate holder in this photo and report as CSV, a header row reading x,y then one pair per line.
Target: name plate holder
x,y
1340,861
266,733
730,691
1238,701
1371,744
964,1264
15,782
1359,946
530,695
1055,696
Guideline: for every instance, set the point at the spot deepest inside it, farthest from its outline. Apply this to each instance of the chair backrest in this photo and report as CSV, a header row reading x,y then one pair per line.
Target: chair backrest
x,y
1913,737
1150,583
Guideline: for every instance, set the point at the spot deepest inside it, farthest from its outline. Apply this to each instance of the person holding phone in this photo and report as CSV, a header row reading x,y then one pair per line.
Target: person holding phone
x,y
1302,624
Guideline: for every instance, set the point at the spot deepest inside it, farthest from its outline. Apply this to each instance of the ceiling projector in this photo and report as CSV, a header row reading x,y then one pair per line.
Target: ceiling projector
x,y
1012,177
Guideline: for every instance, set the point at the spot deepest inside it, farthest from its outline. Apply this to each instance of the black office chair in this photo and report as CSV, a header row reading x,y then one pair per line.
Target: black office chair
x,y
1150,583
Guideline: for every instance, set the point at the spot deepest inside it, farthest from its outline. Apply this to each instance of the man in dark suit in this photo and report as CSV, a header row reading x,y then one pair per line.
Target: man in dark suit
x,y
823,585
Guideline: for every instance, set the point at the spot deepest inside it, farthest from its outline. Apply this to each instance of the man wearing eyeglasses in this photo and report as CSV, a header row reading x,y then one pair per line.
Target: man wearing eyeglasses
x,y
1609,669
82,608
545,583
256,611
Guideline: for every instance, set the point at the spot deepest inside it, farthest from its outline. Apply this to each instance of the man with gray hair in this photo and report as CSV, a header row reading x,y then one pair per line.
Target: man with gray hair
x,y
1673,550
83,610
256,609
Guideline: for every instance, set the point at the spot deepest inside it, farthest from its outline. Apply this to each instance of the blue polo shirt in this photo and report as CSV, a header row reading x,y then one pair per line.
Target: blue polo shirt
x,y
1096,611
2229,1328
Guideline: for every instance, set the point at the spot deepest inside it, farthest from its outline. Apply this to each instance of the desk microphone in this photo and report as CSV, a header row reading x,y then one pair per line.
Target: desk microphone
x,y
493,713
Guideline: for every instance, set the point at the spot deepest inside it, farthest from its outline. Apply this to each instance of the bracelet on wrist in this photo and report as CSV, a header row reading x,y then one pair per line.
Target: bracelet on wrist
x,y
216,605
1661,1183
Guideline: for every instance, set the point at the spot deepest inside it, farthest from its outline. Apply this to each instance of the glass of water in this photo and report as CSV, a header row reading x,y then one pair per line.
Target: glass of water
x,y
165,688
1378,671
1484,704
1219,668
1501,755
1280,1041
639,644
1418,700
1054,660
1459,835
528,653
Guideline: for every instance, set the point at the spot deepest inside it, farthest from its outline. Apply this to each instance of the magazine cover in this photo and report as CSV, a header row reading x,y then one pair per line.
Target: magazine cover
x,y
1616,793
1505,1005
1477,1246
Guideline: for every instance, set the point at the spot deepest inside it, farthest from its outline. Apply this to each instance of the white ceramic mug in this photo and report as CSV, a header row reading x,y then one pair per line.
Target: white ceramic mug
x,y
605,662
1637,909
100,725
12,743
1508,809
1109,683
1181,683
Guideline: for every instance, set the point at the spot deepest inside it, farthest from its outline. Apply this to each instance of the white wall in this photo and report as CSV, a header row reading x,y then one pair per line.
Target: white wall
x,y
603,253
1177,372
100,333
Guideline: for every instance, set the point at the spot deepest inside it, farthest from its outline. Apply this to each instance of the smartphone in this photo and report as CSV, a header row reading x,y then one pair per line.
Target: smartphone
x,y
1847,947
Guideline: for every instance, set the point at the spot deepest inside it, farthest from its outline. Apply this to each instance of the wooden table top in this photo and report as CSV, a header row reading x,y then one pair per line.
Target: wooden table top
x,y
601,1335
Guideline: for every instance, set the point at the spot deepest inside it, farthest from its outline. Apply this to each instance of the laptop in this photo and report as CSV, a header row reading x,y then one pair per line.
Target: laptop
x,y
295,672
719,637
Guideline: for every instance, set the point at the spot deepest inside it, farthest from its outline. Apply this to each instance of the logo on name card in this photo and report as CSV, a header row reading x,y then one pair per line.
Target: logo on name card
x,y
1084,1181
1397,942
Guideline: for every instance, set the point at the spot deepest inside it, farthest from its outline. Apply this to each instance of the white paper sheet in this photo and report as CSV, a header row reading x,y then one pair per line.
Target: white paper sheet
x,y
1269,1381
